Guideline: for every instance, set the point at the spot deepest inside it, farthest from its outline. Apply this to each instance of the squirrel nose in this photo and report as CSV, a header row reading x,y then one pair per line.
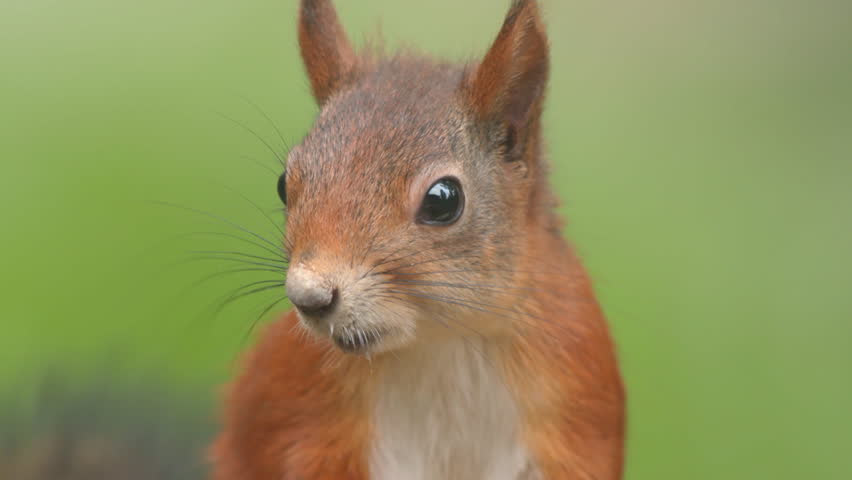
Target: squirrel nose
x,y
309,293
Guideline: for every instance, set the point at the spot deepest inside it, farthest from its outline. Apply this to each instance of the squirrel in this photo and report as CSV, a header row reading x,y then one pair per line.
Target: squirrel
x,y
443,328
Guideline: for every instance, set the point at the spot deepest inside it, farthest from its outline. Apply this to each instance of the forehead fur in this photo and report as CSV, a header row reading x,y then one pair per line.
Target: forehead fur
x,y
397,116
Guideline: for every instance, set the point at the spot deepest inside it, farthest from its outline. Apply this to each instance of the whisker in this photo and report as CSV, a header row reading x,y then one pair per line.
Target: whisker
x,y
466,254
468,286
483,270
222,273
384,261
219,218
278,253
444,319
280,268
484,308
261,315
431,260
255,205
390,258
275,154
261,165
268,119
370,245
237,296
240,254
439,298
173,240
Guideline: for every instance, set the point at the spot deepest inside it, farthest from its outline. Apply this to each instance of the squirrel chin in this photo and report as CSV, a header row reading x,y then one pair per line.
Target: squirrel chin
x,y
358,341
355,339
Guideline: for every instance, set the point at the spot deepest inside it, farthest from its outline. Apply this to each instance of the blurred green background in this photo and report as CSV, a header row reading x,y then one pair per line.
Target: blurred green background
x,y
703,151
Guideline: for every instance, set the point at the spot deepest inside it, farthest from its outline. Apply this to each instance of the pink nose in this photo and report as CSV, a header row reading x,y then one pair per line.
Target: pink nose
x,y
309,292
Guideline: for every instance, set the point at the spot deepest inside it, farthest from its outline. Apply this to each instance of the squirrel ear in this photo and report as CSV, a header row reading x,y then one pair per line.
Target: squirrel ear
x,y
509,84
326,51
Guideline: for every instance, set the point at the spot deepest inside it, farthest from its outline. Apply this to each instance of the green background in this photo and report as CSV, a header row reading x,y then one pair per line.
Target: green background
x,y
703,152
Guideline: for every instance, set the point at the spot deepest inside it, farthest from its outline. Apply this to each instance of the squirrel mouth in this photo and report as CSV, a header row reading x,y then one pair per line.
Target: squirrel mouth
x,y
355,340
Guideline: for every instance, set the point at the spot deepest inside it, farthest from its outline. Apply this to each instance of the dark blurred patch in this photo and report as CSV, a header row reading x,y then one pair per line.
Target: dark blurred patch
x,y
102,431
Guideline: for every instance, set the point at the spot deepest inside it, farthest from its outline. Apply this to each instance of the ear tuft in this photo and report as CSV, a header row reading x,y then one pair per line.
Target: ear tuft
x,y
509,84
329,58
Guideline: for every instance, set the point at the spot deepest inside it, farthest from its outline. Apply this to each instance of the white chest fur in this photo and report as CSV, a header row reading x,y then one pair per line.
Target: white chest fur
x,y
446,414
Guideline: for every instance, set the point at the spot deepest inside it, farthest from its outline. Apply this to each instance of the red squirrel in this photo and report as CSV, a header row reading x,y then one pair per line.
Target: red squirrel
x,y
443,329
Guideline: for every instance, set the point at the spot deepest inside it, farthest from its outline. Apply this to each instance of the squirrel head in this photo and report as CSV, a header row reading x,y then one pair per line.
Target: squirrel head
x,y
411,201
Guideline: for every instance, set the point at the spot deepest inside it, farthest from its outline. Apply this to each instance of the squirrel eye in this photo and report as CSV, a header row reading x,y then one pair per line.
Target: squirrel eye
x,y
282,188
443,203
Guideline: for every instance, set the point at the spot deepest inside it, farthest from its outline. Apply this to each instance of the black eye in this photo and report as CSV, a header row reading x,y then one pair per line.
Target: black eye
x,y
282,188
443,203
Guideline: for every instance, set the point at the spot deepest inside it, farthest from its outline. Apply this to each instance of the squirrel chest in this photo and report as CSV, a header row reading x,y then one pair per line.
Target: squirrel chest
x,y
446,412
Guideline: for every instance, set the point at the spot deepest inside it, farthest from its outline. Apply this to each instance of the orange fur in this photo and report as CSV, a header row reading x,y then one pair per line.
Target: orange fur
x,y
329,58
301,409
298,411
564,367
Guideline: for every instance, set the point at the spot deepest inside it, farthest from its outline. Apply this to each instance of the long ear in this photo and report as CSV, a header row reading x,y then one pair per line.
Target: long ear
x,y
328,56
508,86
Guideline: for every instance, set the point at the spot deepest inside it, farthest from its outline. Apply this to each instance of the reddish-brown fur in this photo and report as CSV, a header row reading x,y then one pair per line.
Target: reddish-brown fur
x,y
324,47
295,413
301,409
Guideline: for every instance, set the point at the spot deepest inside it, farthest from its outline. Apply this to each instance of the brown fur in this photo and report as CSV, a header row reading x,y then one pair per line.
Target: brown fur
x,y
388,126
304,416
325,48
